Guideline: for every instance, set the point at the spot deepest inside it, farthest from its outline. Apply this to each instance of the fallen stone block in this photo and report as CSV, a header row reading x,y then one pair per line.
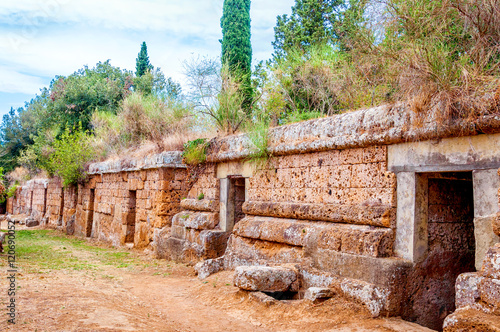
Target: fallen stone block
x,y
209,267
317,293
266,279
374,298
31,222
263,298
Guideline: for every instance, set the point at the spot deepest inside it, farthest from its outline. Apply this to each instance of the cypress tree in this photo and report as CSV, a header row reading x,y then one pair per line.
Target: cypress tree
x,y
236,45
142,64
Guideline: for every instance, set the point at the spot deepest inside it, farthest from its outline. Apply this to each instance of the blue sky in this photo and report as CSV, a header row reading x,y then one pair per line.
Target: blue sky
x,y
40,39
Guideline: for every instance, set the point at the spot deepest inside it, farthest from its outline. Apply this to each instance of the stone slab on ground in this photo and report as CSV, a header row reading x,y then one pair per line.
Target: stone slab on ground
x,y
31,222
467,319
266,278
316,293
209,267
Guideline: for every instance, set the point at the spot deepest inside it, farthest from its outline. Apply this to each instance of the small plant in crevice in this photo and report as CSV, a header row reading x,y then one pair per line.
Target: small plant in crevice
x,y
259,143
195,152
201,196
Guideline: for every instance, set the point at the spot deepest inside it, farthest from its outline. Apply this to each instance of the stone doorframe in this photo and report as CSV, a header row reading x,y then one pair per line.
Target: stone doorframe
x,y
411,161
226,171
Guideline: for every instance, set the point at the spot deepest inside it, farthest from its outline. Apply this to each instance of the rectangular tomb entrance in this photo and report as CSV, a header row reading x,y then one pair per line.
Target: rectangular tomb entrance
x,y
232,197
450,247
130,217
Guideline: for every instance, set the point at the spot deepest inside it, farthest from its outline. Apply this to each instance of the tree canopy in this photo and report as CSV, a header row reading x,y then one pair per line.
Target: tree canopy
x,y
312,22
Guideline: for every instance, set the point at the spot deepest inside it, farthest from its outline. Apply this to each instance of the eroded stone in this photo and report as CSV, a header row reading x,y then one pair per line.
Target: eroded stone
x,y
316,293
266,278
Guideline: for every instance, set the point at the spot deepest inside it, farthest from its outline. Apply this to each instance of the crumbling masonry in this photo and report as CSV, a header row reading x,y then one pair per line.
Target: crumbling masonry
x,y
393,209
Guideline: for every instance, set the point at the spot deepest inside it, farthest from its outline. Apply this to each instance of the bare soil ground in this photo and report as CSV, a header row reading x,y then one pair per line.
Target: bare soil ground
x,y
69,284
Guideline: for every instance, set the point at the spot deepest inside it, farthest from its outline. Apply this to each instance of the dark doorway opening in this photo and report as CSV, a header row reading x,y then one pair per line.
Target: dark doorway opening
x,y
44,202
61,209
238,197
90,213
130,223
31,203
451,248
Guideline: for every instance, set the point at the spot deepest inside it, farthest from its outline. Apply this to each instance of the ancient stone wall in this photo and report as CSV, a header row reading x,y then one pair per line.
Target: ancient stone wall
x,y
196,232
9,208
132,202
351,203
55,202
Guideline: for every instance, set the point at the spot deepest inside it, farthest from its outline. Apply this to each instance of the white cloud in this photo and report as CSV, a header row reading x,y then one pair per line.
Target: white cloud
x,y
15,82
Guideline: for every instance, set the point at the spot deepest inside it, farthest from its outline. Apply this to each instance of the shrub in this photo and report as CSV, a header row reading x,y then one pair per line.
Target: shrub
x,y
195,152
141,118
259,142
302,116
446,52
11,192
72,152
2,187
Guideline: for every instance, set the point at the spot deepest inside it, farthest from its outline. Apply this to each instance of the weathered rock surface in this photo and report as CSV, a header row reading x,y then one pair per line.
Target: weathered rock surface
x,y
209,267
316,293
266,278
378,215
196,220
467,319
31,222
496,224
355,239
170,159
242,251
491,263
467,290
375,126
205,205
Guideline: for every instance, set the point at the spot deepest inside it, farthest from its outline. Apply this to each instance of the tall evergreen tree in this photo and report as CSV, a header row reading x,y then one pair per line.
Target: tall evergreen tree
x,y
311,22
236,45
142,64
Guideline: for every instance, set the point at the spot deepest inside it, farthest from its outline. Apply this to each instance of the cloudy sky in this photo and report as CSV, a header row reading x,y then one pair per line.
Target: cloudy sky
x,y
43,38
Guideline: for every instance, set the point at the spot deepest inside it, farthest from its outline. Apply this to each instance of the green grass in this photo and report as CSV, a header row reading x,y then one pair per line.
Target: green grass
x,y
39,251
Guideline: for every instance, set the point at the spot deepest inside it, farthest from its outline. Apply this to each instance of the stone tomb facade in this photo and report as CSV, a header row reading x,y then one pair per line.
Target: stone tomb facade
x,y
381,205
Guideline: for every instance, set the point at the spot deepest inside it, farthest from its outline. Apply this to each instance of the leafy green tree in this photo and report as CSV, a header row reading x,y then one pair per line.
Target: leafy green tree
x,y
142,65
72,151
236,45
73,99
312,22
17,130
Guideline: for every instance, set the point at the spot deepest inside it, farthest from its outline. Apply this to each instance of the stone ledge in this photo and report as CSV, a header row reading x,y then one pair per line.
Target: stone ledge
x,y
196,220
203,205
354,239
377,215
167,159
375,126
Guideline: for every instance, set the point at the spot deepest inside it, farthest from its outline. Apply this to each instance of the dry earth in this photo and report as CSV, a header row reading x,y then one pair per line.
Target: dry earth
x,y
91,287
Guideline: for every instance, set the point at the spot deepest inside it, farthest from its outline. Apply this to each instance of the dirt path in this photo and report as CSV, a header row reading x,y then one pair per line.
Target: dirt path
x,y
68,285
